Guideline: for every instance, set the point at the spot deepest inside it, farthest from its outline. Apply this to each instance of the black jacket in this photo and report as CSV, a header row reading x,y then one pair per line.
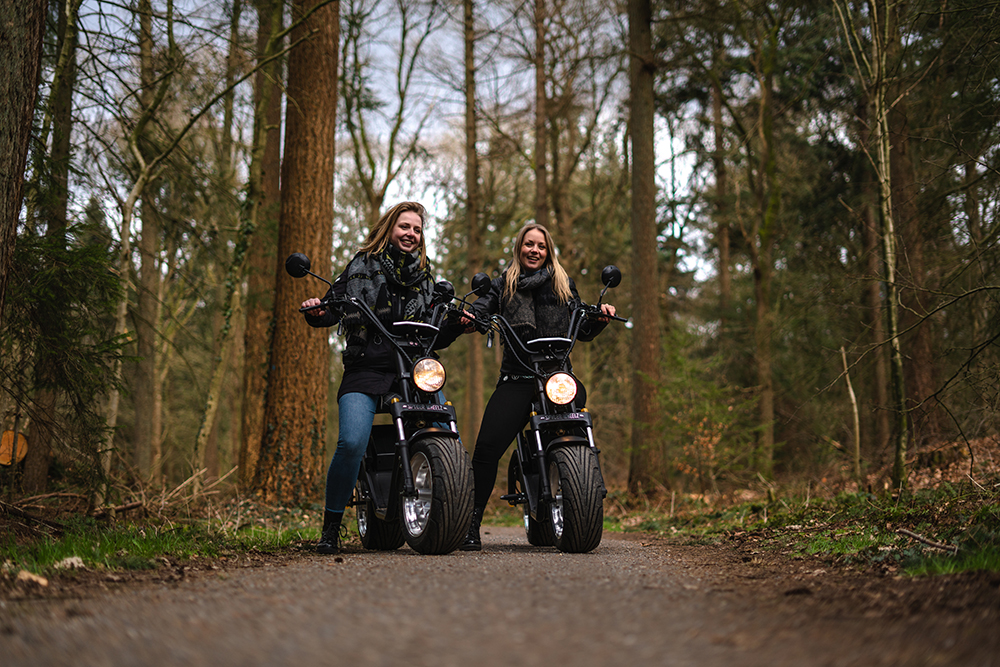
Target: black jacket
x,y
493,302
373,371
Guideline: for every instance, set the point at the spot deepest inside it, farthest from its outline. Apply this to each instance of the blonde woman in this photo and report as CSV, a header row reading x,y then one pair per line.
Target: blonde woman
x,y
389,273
536,297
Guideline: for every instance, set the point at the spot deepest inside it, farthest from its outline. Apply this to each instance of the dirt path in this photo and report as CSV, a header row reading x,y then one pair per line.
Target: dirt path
x,y
634,601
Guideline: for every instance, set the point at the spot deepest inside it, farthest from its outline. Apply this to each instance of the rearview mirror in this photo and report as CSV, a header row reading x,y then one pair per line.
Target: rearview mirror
x,y
611,276
443,291
297,265
480,284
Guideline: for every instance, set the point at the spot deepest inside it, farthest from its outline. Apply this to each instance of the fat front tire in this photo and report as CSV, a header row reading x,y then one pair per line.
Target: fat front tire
x,y
577,507
539,533
376,534
436,521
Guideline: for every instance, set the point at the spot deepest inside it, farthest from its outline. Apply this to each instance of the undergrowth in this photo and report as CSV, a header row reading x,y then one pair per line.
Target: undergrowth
x,y
953,528
138,545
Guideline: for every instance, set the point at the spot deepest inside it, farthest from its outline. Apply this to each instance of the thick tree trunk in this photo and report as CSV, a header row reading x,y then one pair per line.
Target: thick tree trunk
x,y
915,289
22,26
265,200
52,181
474,412
294,443
541,119
643,463
147,319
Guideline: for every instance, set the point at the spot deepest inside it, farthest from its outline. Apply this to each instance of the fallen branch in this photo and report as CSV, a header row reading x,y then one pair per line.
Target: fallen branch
x,y
931,543
25,501
21,514
101,512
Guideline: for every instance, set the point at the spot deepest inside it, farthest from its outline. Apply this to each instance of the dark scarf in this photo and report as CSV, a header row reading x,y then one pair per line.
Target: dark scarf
x,y
534,310
368,278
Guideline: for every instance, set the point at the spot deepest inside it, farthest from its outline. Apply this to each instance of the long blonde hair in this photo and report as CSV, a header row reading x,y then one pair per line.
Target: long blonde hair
x,y
378,235
560,281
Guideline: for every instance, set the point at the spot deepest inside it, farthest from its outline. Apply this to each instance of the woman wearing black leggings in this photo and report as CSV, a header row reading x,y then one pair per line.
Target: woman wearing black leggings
x,y
536,297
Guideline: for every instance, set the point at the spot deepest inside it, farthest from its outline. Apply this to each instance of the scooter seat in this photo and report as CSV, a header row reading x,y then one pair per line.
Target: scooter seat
x,y
551,343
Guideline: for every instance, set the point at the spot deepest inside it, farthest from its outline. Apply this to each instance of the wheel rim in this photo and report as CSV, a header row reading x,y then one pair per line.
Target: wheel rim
x,y
527,519
417,510
361,510
525,509
556,506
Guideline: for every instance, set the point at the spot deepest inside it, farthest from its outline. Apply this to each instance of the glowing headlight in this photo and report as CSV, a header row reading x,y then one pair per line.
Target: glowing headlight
x,y
560,388
428,374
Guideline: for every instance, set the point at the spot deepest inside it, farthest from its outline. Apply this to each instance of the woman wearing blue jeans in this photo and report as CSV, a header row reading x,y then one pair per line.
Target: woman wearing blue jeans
x,y
390,273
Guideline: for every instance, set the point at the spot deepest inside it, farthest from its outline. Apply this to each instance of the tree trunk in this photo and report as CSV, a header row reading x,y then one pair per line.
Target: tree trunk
x,y
147,428
882,29
541,119
294,443
914,288
879,383
980,308
22,27
721,199
873,297
643,462
265,201
760,245
233,59
474,372
224,352
52,180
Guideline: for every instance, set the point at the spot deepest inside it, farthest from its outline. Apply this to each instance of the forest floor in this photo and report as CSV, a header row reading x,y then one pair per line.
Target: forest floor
x,y
750,596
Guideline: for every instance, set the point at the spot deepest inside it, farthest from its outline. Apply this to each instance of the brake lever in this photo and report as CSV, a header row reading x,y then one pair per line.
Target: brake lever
x,y
595,313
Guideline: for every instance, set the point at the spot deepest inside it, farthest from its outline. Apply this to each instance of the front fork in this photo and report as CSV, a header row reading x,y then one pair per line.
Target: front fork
x,y
403,446
403,443
545,490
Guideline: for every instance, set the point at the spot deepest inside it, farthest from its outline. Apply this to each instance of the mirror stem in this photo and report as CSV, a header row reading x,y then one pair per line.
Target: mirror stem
x,y
320,277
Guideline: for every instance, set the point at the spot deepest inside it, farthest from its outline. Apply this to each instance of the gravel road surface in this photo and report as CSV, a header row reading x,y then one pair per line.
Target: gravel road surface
x,y
630,602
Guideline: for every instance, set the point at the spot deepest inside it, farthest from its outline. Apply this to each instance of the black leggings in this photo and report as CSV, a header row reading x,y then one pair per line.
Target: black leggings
x,y
505,416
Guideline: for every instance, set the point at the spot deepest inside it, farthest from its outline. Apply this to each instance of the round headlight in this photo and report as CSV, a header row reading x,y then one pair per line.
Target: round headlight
x,y
560,388
428,374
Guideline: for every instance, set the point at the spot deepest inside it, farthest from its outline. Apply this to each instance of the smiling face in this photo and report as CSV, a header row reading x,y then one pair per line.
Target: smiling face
x,y
534,251
407,232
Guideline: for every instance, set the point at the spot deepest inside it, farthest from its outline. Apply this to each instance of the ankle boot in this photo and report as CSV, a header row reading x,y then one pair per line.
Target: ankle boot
x,y
329,542
472,540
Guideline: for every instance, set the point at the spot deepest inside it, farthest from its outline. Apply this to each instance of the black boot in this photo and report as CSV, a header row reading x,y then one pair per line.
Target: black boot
x,y
329,541
472,540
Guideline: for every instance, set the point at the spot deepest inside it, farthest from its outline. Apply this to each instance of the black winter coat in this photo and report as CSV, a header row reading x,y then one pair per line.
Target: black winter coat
x,y
493,302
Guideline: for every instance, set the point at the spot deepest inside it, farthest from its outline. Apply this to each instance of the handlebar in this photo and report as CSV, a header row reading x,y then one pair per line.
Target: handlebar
x,y
520,350
324,304
595,313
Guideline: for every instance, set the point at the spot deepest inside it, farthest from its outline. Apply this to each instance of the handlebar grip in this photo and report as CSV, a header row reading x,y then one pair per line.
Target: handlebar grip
x,y
595,313
324,304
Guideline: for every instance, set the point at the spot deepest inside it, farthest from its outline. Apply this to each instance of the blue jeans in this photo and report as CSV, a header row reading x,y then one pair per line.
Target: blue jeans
x,y
356,413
